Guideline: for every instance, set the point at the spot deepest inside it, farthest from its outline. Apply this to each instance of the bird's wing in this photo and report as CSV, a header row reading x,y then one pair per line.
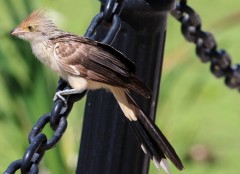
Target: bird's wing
x,y
93,61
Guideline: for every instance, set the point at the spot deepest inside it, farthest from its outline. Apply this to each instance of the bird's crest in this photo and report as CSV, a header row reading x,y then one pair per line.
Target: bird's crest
x,y
35,18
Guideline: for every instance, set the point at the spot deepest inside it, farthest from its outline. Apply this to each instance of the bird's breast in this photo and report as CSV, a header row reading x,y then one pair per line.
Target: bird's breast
x,y
44,52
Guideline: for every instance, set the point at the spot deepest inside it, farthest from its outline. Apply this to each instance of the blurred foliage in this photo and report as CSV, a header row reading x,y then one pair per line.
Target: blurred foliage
x,y
194,107
27,87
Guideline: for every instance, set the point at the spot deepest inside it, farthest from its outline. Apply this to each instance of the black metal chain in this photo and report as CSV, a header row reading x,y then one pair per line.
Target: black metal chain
x,y
57,118
110,11
206,46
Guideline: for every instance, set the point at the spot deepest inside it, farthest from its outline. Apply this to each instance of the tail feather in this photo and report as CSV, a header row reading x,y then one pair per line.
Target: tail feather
x,y
148,148
146,143
152,138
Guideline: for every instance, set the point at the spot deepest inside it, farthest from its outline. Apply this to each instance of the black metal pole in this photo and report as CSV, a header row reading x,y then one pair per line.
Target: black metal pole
x,y
108,145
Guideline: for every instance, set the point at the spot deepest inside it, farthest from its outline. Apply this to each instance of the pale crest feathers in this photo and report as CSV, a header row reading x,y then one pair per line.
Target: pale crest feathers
x,y
38,17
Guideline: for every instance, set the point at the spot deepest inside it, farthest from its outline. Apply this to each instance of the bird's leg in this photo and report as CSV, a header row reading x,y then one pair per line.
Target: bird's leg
x,y
60,94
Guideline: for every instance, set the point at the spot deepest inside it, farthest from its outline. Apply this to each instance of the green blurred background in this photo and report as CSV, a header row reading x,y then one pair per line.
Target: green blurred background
x,y
196,111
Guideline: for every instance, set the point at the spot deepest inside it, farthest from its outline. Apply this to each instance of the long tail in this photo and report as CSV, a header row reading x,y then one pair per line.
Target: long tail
x,y
152,140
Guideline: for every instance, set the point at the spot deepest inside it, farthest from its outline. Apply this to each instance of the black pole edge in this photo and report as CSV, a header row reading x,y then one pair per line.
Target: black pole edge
x,y
148,5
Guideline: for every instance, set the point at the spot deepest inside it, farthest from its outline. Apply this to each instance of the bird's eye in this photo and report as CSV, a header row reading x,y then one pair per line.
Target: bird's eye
x,y
30,28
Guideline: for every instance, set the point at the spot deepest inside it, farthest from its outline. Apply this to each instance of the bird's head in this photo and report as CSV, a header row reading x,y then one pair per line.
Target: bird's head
x,y
36,27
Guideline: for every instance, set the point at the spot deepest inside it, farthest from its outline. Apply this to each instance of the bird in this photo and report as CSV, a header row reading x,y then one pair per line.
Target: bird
x,y
89,65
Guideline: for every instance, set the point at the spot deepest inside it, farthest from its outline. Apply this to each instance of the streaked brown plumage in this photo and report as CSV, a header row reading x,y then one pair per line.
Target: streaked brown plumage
x,y
91,60
89,65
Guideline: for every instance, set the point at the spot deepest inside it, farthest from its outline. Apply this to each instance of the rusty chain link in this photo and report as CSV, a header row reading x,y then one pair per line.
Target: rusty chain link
x,y
206,46
57,118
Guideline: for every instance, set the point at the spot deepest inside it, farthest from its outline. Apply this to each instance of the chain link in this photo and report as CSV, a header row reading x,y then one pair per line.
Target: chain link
x,y
109,18
206,45
57,118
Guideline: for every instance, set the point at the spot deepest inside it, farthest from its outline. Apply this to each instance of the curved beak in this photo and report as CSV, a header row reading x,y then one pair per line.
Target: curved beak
x,y
16,32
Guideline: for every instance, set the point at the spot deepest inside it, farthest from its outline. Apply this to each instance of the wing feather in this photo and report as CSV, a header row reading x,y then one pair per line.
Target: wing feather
x,y
95,61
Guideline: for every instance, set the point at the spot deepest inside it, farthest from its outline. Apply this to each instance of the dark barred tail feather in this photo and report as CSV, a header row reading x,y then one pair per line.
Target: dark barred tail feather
x,y
152,140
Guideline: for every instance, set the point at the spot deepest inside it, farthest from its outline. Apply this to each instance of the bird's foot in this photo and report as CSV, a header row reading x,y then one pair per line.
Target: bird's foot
x,y
60,94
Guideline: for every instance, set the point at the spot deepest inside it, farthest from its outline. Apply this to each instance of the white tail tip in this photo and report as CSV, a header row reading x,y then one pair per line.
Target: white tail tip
x,y
165,166
156,163
144,149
